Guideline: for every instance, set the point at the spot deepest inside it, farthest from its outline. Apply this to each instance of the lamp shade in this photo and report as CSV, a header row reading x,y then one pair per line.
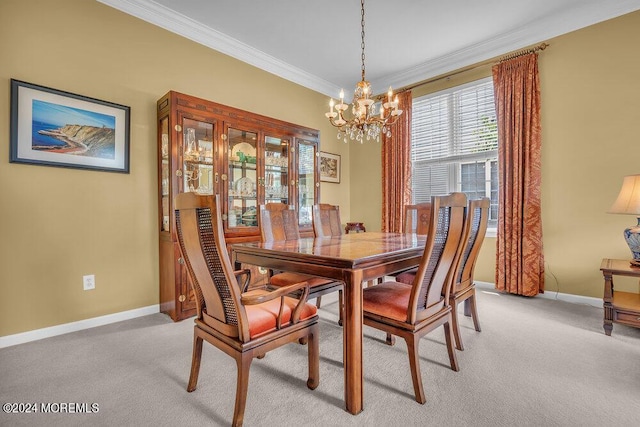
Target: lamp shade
x,y
628,201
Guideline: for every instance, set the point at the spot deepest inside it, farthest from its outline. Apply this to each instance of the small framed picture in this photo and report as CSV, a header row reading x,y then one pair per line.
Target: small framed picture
x,y
55,128
329,167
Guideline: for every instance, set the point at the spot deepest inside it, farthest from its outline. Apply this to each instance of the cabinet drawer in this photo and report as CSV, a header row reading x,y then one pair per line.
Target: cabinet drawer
x,y
632,319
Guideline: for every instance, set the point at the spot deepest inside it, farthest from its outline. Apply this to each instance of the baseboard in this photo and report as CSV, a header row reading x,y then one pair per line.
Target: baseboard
x,y
52,331
575,299
38,334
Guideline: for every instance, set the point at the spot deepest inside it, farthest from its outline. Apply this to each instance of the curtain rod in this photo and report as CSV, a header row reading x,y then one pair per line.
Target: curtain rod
x,y
541,46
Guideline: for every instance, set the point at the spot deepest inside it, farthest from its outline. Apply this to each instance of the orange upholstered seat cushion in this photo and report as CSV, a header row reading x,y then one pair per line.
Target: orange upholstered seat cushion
x,y
288,278
262,317
407,277
389,299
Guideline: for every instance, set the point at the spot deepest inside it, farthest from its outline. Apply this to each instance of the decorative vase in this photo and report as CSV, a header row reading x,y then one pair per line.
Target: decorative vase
x,y
632,236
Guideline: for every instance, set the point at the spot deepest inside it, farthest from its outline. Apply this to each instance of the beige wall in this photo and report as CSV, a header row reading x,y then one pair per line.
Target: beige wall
x,y
59,224
590,89
590,113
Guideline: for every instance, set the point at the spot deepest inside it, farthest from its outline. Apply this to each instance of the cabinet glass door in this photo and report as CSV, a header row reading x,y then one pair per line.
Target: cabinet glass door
x,y
164,173
306,181
242,179
276,170
197,156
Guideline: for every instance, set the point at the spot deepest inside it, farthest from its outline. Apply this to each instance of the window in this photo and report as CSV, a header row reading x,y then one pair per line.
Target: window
x,y
454,144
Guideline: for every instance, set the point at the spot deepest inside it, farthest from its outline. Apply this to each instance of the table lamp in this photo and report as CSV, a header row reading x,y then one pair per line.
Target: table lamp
x,y
628,202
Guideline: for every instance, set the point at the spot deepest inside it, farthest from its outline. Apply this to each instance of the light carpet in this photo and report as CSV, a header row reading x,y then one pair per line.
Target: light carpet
x,y
537,362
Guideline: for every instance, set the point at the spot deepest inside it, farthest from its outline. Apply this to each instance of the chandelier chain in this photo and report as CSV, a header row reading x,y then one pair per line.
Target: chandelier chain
x,y
362,35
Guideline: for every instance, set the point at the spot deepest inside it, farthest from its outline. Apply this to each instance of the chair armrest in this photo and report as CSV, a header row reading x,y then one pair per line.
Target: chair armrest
x,y
252,299
247,273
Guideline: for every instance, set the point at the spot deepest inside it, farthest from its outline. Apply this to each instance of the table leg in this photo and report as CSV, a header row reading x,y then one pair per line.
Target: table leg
x,y
352,347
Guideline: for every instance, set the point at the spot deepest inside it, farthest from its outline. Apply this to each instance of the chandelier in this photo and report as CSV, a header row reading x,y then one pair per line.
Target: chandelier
x,y
365,121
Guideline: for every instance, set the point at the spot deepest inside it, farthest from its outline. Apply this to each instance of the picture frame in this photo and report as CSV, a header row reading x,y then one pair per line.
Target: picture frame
x,y
329,167
51,127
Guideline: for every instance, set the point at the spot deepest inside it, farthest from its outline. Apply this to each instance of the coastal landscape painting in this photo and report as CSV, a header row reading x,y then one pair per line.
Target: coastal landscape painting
x,y
56,128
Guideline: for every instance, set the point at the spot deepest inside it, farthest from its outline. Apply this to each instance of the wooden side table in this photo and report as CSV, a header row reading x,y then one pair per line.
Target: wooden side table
x,y
619,307
355,227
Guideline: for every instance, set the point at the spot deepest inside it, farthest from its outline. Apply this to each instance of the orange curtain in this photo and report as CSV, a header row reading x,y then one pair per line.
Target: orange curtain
x,y
520,260
396,168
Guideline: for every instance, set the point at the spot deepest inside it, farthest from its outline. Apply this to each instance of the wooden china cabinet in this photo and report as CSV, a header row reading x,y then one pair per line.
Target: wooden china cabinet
x,y
245,158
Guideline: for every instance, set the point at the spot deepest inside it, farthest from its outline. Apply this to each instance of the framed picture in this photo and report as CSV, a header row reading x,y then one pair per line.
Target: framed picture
x,y
55,128
329,167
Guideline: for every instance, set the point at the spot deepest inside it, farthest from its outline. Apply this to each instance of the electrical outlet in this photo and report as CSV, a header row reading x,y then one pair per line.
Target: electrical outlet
x,y
89,282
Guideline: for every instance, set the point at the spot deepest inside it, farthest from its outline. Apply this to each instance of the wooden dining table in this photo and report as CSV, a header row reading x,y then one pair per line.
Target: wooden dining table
x,y
352,258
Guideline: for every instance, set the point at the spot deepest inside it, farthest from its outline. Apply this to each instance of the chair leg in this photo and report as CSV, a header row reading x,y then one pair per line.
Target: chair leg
x,y
314,358
414,362
470,305
195,362
340,307
318,301
243,362
448,335
391,340
467,308
455,325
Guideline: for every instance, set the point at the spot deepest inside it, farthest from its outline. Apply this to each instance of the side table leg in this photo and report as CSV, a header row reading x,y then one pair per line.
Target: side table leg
x,y
608,319
608,302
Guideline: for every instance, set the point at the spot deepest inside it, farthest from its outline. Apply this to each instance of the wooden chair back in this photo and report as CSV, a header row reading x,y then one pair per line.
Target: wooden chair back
x,y
201,237
278,222
434,277
417,218
326,220
475,230
227,317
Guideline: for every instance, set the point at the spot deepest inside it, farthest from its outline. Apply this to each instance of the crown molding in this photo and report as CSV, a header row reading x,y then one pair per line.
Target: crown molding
x,y
534,33
520,38
170,20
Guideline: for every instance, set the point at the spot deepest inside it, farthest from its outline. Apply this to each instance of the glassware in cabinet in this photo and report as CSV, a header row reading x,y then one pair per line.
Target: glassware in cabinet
x,y
307,183
276,170
197,156
242,179
164,174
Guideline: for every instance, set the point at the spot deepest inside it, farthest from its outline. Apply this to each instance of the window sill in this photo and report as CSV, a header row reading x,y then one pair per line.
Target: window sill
x,y
492,232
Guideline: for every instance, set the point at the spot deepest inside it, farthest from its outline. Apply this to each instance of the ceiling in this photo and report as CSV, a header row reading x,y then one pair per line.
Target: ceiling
x,y
317,43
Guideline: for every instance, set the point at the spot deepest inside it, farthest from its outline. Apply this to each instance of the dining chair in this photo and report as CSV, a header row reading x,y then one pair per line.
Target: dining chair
x,y
279,222
326,223
416,221
326,220
464,288
410,311
416,218
243,324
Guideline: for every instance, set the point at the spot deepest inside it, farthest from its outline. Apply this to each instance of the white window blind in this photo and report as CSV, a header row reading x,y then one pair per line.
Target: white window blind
x,y
454,144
